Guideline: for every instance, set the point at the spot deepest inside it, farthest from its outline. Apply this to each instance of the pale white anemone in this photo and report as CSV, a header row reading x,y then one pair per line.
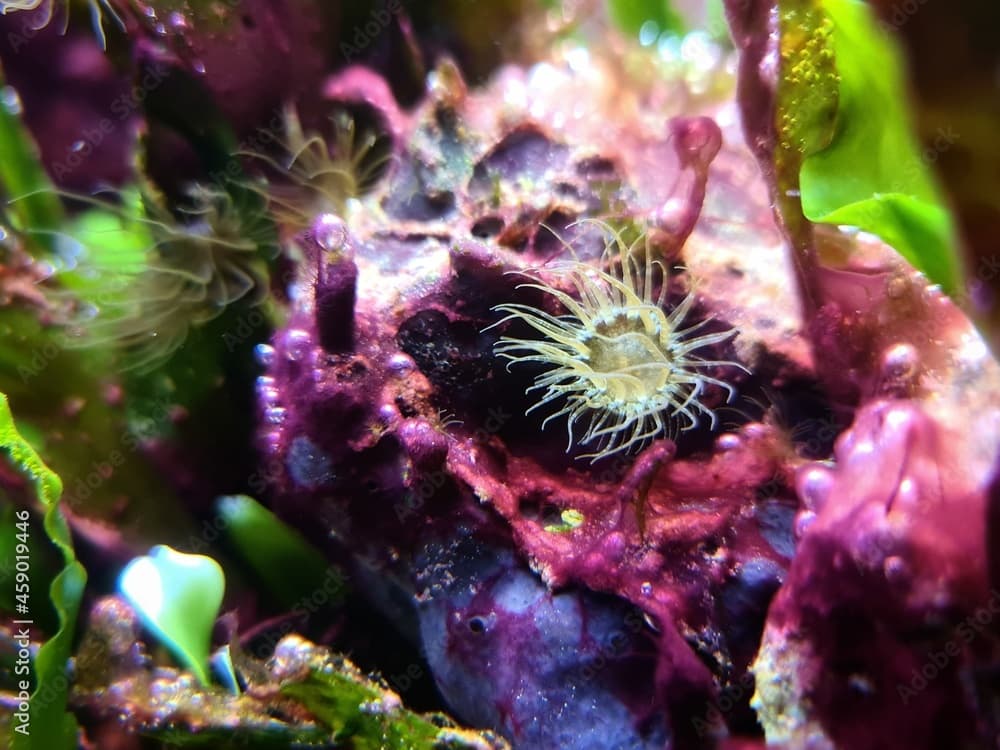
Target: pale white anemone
x,y
626,368
97,10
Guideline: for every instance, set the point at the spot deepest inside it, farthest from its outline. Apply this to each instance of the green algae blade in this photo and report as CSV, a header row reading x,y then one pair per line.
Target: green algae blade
x,y
51,726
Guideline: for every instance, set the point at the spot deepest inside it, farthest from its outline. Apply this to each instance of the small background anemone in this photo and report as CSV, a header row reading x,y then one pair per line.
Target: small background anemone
x,y
154,274
315,176
624,365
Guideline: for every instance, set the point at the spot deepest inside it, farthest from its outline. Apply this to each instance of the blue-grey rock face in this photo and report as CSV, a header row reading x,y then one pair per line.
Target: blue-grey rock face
x,y
547,669
307,465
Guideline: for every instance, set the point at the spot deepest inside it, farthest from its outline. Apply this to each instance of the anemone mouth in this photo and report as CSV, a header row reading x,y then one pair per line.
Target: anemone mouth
x,y
626,369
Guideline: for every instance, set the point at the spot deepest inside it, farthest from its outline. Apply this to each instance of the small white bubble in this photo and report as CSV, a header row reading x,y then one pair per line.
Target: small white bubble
x,y
400,364
297,344
900,361
11,100
649,32
578,59
330,232
88,312
267,391
264,354
668,46
803,520
274,415
698,50
272,439
728,442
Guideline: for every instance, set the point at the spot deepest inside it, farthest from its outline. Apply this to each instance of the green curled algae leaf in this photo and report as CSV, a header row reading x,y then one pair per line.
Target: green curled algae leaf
x,y
177,596
571,519
52,727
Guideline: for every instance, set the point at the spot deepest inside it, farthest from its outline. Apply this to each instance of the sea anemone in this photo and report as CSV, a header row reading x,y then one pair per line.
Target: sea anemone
x,y
190,269
97,10
314,176
617,357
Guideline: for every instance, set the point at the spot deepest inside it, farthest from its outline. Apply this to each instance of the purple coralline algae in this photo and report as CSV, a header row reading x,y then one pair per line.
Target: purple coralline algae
x,y
656,598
